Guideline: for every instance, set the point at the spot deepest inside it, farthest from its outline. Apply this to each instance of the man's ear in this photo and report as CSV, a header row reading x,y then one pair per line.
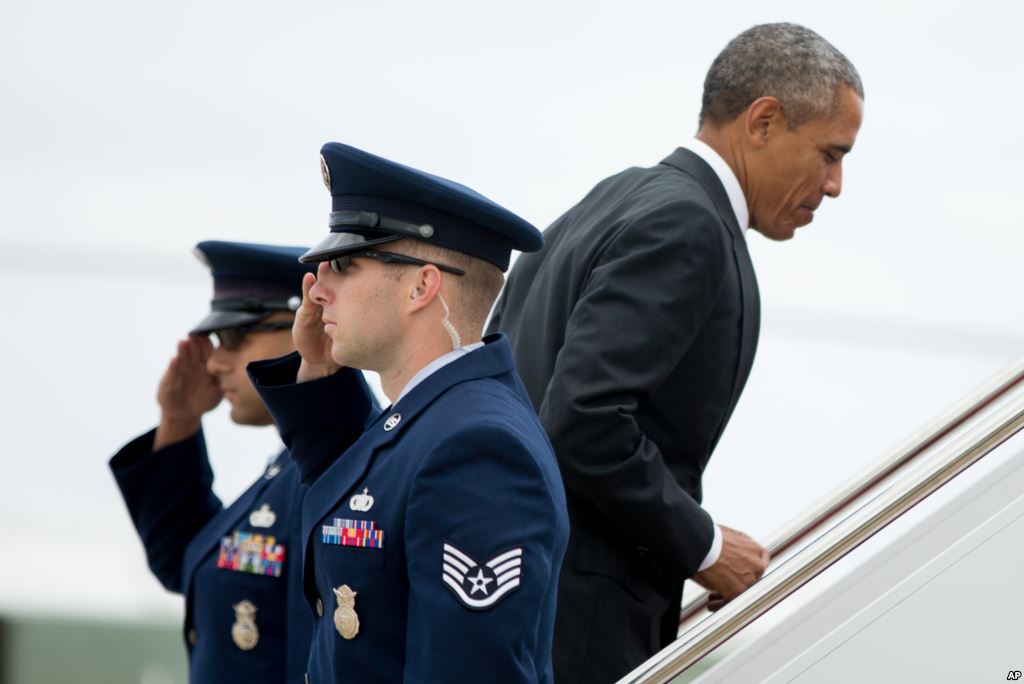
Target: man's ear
x,y
425,286
762,119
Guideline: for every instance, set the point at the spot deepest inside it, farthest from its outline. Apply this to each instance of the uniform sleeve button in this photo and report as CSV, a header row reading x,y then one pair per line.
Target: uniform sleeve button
x,y
319,611
192,638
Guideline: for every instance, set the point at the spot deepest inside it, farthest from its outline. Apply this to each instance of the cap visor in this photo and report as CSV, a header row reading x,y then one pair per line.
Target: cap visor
x,y
337,244
218,320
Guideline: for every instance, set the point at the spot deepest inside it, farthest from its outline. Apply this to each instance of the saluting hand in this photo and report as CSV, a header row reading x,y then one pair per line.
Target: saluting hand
x,y
186,392
312,343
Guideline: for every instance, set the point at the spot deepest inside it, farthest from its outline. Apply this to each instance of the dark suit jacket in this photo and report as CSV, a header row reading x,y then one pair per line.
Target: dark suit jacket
x,y
634,331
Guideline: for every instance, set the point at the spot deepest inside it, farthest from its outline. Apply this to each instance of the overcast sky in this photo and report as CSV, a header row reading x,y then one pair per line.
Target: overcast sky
x,y
129,131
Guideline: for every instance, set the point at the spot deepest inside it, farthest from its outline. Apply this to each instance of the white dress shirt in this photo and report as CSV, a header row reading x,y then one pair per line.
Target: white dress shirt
x,y
727,177
739,208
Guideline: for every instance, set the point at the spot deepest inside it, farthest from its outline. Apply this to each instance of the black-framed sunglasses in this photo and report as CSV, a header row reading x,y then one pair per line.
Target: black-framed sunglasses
x,y
339,264
232,338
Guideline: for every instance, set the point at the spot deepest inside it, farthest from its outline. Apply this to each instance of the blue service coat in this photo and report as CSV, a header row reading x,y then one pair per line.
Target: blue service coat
x,y
432,546
182,522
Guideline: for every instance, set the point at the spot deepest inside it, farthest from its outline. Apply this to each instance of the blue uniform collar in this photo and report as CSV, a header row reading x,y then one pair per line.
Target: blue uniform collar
x,y
494,358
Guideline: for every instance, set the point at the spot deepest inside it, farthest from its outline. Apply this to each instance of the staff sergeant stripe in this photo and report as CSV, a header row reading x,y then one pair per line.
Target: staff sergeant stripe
x,y
515,563
463,568
480,603
508,576
454,573
467,577
448,548
505,556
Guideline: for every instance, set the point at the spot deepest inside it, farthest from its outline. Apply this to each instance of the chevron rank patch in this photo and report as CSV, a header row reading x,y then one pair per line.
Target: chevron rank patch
x,y
252,553
479,586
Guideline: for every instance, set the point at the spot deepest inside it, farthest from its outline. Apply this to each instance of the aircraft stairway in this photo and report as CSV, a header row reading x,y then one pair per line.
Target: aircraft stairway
x,y
912,573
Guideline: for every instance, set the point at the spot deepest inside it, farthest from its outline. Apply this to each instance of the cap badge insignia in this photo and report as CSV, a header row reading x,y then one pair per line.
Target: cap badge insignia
x,y
346,621
361,502
478,586
244,632
264,517
325,173
392,422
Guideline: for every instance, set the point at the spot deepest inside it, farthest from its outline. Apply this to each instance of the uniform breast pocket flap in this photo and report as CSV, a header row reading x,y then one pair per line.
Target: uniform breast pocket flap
x,y
352,543
352,556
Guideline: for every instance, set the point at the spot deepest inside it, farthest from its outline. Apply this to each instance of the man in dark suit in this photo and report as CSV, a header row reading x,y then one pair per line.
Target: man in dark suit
x,y
635,328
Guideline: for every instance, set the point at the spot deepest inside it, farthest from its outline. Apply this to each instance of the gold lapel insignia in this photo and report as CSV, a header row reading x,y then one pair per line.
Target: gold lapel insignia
x,y
244,632
346,621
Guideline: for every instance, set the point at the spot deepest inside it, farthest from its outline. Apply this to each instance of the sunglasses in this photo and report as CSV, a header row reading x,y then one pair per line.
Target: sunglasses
x,y
232,338
339,264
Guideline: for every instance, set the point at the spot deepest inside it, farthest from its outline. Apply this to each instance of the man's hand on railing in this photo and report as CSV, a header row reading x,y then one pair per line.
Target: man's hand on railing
x,y
741,563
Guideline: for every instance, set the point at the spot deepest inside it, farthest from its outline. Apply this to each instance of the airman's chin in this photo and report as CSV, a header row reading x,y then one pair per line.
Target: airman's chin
x,y
339,356
241,416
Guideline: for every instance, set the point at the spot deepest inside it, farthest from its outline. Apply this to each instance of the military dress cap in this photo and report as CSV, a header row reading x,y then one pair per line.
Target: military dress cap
x,y
250,282
375,201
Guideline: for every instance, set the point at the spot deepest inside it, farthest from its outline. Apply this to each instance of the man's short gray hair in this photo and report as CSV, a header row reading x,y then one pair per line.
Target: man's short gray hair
x,y
793,64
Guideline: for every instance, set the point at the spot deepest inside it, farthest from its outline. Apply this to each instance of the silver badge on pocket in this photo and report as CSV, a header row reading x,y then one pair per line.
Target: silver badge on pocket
x,y
361,502
346,620
263,517
244,632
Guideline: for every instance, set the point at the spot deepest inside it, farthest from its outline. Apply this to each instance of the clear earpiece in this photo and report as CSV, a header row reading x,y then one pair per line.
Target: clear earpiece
x,y
452,332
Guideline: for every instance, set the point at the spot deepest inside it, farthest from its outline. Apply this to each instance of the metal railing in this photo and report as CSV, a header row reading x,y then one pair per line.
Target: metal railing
x,y
973,441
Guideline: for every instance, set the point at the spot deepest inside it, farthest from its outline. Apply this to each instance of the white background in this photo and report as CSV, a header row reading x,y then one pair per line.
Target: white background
x,y
129,131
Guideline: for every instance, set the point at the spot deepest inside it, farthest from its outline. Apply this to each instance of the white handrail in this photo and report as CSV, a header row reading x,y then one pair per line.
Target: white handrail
x,y
1000,386
866,521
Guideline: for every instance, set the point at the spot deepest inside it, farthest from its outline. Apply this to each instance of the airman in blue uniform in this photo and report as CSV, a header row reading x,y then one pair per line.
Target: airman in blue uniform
x,y
433,543
239,567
